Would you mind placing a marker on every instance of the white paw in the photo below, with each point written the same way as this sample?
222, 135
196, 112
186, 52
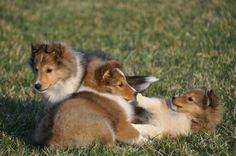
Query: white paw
141, 140
139, 98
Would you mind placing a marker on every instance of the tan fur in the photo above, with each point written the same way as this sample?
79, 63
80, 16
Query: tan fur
51, 63
87, 116
203, 105
106, 76
60, 71
198, 110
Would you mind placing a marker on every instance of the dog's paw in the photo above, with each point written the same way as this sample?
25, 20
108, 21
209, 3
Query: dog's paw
139, 98
142, 140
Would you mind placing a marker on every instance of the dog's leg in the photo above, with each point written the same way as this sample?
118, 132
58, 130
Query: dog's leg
148, 102
148, 130
128, 134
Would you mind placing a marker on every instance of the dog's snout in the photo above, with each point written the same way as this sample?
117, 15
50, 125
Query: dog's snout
37, 86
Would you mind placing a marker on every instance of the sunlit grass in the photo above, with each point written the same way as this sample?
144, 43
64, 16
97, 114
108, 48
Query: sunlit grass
186, 44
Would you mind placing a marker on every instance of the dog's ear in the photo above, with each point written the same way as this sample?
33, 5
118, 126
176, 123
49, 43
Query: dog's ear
105, 71
35, 47
213, 100
56, 49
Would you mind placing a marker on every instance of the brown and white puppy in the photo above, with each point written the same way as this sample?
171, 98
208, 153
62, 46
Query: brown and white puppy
98, 112
197, 111
59, 71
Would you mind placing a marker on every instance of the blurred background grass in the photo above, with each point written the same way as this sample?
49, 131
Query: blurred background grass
186, 44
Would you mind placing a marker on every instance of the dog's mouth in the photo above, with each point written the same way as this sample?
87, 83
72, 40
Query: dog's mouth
178, 106
173, 106
43, 90
130, 100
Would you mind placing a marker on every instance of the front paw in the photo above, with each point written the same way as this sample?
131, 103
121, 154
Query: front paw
142, 140
139, 98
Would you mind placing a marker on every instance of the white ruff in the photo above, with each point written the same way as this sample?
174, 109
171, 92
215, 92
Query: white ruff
63, 89
127, 107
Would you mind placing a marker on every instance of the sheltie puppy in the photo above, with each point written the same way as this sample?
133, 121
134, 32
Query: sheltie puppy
99, 112
197, 111
59, 71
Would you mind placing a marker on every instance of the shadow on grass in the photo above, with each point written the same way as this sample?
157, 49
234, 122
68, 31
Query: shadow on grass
18, 117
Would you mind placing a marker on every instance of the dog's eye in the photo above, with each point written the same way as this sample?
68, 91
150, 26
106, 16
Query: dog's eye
49, 70
36, 70
120, 85
190, 99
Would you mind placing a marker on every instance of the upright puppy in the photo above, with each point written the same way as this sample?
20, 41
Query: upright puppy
98, 112
198, 110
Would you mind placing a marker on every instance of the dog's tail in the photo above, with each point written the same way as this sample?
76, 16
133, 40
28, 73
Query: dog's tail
140, 83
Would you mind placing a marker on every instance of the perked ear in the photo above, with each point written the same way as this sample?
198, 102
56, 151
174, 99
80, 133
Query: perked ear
59, 50
105, 71
56, 49
213, 98
35, 47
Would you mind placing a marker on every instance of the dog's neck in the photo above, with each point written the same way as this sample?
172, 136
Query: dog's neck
63, 89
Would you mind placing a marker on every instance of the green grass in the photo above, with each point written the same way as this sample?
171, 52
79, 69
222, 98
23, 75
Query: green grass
187, 44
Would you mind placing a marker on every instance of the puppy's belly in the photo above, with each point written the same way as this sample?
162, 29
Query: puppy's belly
171, 123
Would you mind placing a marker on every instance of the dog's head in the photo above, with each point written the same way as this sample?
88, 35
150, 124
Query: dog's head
112, 80
196, 101
51, 63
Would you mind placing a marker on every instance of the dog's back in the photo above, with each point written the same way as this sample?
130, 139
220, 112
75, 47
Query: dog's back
97, 113
83, 120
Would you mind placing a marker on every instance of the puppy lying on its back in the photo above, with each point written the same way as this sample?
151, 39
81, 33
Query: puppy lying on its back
98, 112
198, 110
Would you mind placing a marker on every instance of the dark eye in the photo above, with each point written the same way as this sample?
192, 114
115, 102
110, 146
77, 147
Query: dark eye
190, 99
120, 85
49, 70
36, 70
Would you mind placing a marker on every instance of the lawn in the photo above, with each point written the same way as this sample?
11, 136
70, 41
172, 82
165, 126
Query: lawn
185, 43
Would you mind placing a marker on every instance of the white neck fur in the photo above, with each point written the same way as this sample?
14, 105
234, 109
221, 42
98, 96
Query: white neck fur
63, 89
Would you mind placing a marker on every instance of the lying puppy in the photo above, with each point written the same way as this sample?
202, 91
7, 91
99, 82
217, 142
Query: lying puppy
198, 110
98, 112
59, 71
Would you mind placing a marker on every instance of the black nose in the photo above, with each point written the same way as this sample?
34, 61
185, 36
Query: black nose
37, 86
173, 98
135, 93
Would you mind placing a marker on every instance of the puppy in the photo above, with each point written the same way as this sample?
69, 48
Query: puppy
197, 111
97, 113
60, 71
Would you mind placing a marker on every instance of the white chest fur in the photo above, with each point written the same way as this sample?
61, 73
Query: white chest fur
166, 120
63, 89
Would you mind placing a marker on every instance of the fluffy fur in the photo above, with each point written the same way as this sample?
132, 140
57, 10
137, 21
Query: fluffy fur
197, 111
59, 71
98, 112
